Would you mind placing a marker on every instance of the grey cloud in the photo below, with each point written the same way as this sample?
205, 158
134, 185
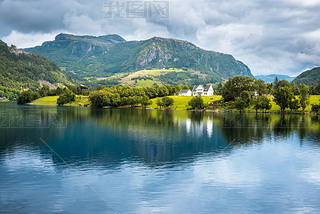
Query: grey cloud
269, 36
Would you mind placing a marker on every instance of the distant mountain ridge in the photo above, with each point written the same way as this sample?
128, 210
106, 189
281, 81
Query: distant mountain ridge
308, 77
20, 71
105, 56
270, 78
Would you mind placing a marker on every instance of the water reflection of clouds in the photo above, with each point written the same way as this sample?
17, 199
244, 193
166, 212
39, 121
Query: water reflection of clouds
22, 158
231, 172
311, 174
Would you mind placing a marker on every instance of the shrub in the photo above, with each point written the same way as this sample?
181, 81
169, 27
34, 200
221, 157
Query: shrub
66, 97
196, 103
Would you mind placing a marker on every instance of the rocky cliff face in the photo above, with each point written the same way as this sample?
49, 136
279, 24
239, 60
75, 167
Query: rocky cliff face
105, 55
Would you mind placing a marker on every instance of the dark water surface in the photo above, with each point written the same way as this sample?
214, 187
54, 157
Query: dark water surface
80, 160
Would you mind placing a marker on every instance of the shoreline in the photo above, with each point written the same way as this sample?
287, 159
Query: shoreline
180, 103
225, 111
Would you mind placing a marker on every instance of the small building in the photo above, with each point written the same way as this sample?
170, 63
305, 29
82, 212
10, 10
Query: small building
202, 90
185, 92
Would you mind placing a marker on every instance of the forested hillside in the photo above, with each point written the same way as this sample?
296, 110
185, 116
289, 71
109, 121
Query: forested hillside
20, 71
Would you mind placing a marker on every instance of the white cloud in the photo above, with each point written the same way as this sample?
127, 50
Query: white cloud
269, 36
22, 40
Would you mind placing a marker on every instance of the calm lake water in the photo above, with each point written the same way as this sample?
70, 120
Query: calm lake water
80, 160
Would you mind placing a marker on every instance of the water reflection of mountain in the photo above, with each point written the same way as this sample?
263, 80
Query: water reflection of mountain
107, 138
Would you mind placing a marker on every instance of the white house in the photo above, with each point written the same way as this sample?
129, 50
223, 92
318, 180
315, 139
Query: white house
185, 92
203, 90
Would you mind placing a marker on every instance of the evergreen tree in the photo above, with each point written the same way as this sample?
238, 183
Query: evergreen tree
304, 96
276, 82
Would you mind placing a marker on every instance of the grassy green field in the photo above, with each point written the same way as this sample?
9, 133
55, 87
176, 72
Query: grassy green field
52, 101
46, 101
181, 102
144, 78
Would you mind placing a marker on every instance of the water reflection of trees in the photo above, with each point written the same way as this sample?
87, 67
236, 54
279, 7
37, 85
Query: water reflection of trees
250, 128
108, 137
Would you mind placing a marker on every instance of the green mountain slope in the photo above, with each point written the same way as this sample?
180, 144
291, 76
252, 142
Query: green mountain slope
20, 71
308, 77
105, 56
270, 78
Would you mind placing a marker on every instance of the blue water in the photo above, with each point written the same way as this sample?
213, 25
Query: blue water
80, 160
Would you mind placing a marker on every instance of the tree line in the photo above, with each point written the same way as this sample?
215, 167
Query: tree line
123, 95
245, 91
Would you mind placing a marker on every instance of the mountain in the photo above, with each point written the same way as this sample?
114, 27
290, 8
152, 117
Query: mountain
111, 56
20, 70
308, 77
270, 78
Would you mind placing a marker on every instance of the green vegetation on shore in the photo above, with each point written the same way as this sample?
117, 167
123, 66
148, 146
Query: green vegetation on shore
180, 103
238, 93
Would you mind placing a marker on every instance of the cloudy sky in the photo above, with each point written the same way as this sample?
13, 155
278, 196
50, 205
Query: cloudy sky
270, 36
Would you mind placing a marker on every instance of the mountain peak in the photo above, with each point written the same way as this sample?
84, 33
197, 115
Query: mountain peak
106, 55
110, 37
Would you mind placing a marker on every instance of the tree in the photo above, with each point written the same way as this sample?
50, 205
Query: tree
44, 91
315, 108
294, 88
25, 97
97, 99
262, 102
196, 103
235, 86
59, 91
266, 103
159, 103
239, 104
133, 101
101, 87
294, 104
165, 102
311, 89
270, 87
283, 97
145, 101
219, 89
317, 89
260, 87
257, 104
35, 95
246, 97
304, 96
276, 82
66, 97
162, 91
284, 83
